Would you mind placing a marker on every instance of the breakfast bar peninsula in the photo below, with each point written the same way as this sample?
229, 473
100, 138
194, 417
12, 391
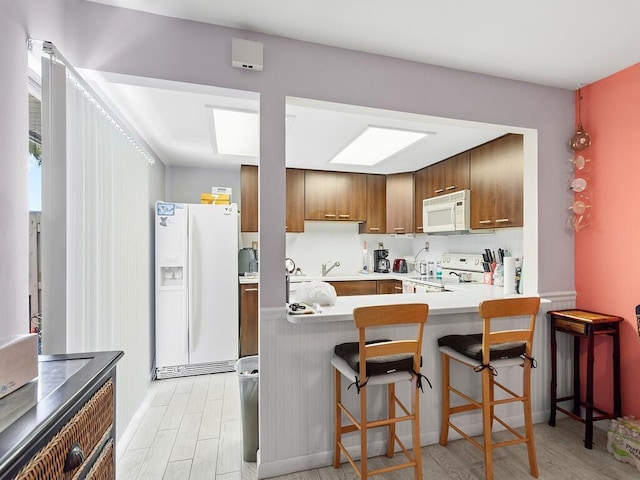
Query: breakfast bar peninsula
296, 387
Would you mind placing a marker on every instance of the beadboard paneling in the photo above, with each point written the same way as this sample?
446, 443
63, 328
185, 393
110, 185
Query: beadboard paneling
296, 387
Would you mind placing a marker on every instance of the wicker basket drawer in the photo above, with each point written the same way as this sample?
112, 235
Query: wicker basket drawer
103, 468
564, 325
84, 431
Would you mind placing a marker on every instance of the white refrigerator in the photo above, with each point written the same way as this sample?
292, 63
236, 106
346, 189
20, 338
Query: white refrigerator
196, 250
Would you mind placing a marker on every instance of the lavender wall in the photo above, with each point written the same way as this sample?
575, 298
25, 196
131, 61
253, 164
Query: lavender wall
155, 46
130, 42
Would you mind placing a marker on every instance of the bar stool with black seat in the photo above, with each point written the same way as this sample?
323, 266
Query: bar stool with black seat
486, 352
381, 362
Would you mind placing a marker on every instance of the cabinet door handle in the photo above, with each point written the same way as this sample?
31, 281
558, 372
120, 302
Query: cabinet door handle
250, 289
374, 229
502, 220
439, 190
484, 221
450, 187
74, 459
398, 228
398, 288
418, 228
330, 215
343, 215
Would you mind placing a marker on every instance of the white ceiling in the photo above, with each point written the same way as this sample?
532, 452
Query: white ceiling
561, 43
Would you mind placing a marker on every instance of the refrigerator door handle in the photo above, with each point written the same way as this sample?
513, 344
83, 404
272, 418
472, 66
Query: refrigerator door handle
190, 288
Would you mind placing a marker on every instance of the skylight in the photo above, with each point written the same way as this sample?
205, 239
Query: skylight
376, 144
237, 132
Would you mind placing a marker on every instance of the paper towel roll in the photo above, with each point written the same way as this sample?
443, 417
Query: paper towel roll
509, 275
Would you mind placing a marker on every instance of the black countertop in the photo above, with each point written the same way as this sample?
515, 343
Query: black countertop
30, 413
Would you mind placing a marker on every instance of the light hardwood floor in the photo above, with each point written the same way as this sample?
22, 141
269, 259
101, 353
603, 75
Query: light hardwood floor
190, 428
187, 429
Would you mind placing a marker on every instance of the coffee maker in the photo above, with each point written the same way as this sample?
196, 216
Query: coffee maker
381, 263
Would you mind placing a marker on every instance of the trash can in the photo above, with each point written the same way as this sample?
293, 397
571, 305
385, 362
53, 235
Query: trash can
247, 371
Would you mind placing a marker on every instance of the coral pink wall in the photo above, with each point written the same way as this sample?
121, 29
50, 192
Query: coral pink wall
607, 253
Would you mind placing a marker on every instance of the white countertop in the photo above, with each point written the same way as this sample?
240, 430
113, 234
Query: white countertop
345, 277
463, 298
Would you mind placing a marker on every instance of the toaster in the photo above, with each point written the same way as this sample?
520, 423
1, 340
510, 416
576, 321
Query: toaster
400, 265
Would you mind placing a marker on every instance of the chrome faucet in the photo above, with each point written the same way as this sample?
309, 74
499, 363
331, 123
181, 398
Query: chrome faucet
326, 270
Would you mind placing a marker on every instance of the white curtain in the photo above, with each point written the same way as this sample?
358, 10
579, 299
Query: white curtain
108, 245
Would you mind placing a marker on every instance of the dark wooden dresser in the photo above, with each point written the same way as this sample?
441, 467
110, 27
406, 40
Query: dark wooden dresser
62, 425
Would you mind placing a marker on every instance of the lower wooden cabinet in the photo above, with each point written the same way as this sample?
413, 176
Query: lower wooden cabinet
347, 288
389, 286
248, 319
355, 287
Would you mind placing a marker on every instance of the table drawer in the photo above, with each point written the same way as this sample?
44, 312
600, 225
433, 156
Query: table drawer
565, 325
84, 433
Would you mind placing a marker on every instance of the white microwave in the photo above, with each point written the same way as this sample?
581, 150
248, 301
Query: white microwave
446, 213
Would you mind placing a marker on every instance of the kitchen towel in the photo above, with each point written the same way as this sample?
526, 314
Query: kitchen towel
509, 275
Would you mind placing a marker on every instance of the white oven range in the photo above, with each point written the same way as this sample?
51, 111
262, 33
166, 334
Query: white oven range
456, 268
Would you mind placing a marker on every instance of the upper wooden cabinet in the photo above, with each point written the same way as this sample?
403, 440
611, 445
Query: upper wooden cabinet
448, 176
249, 198
295, 201
496, 183
420, 189
376, 205
400, 199
334, 196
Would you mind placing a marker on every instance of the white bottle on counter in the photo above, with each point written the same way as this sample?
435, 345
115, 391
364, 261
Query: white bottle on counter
509, 275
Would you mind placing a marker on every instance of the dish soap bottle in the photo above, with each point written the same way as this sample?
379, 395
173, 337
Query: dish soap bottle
365, 258
498, 276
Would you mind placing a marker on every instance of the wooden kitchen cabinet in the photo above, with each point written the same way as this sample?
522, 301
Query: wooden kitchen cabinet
389, 286
355, 287
249, 198
496, 177
334, 196
295, 201
420, 193
376, 199
448, 176
248, 319
400, 203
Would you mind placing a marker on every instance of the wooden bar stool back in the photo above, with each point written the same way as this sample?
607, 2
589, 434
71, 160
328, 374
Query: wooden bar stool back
486, 353
378, 363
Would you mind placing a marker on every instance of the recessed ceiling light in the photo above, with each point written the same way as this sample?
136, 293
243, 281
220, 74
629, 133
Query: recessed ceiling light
376, 144
237, 132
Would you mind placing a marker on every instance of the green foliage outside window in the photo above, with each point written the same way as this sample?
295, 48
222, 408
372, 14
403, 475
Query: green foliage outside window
36, 151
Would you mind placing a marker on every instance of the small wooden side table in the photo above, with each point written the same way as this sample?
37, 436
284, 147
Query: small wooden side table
583, 324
